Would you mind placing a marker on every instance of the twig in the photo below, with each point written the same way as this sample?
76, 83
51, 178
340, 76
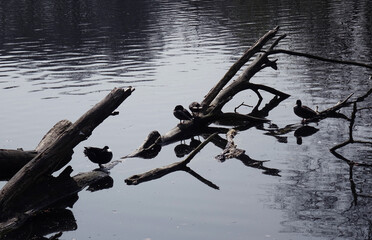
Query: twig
242, 104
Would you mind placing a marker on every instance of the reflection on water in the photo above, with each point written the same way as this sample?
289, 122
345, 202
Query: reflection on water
57, 57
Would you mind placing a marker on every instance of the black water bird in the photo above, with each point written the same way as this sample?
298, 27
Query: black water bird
98, 155
195, 108
304, 112
181, 113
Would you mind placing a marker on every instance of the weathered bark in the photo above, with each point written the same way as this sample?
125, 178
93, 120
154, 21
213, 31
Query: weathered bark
56, 152
55, 132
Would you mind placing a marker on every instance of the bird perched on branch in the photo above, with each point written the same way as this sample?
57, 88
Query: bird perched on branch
195, 108
304, 112
98, 155
181, 113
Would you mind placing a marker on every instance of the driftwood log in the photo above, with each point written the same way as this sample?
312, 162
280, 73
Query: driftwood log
33, 188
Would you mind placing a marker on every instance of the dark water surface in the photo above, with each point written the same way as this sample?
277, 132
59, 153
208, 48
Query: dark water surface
59, 58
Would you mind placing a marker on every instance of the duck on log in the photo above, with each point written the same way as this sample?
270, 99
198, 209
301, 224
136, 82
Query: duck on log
22, 195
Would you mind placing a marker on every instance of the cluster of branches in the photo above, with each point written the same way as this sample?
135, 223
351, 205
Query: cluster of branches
214, 101
31, 187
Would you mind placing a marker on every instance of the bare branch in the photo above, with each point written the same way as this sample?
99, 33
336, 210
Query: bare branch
276, 51
236, 66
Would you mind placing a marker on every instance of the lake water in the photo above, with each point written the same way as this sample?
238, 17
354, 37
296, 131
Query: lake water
59, 59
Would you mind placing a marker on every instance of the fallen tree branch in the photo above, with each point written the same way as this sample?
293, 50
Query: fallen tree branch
177, 166
57, 152
226, 89
236, 67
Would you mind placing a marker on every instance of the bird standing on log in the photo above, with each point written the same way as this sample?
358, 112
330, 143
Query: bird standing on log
195, 108
98, 155
304, 112
181, 113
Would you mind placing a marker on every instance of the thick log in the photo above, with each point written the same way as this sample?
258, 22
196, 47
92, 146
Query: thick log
11, 161
55, 132
60, 150
50, 192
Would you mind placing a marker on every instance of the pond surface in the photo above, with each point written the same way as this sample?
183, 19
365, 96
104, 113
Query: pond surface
59, 59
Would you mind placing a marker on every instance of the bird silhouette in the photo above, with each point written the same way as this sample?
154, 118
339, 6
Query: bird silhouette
181, 113
195, 108
304, 112
98, 155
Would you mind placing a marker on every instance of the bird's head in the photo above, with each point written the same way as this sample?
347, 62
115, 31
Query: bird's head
106, 148
178, 108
